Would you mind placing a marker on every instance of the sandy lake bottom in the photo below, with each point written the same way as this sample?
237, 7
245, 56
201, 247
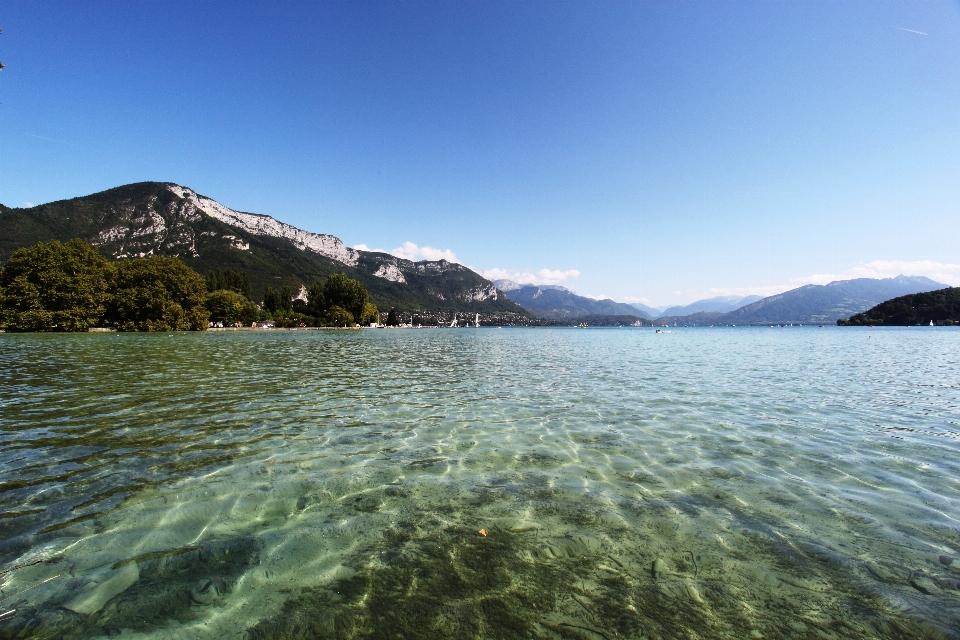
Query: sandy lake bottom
482, 483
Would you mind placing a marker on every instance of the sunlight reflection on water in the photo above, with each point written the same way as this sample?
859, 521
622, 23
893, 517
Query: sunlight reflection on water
702, 483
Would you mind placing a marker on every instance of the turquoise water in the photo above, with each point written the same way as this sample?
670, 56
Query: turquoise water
702, 483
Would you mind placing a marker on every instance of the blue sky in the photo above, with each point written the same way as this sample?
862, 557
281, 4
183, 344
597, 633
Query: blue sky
663, 151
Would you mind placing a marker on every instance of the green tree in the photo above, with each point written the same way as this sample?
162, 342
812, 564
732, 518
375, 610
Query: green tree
337, 316
370, 314
278, 301
54, 286
316, 302
341, 291
158, 294
392, 318
230, 307
230, 279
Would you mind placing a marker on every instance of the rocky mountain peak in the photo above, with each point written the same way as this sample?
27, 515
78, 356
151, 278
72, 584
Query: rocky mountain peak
263, 225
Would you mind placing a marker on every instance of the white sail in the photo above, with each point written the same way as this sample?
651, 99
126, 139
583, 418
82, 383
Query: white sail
476, 322
454, 323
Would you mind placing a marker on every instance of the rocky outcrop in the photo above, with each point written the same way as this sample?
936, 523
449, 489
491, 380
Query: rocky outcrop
262, 225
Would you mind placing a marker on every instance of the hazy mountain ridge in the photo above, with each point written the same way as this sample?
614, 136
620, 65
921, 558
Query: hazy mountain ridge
718, 304
651, 312
815, 304
558, 303
166, 219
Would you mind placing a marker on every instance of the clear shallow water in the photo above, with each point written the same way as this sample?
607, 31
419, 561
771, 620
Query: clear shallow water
704, 483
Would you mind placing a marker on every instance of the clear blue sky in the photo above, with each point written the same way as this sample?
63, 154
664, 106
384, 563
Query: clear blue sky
665, 150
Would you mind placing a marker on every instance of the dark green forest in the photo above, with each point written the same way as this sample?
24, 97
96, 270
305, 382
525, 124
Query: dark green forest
55, 286
942, 307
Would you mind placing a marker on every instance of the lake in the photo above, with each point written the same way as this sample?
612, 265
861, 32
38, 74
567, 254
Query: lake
794, 482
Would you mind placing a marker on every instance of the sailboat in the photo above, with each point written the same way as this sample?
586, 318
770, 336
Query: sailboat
476, 322
454, 323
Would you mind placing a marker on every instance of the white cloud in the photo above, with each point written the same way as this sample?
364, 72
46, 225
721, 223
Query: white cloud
363, 247
28, 205
630, 299
945, 273
411, 251
544, 276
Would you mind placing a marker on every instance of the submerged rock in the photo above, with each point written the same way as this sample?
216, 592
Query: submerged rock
205, 592
102, 588
878, 571
923, 584
659, 568
571, 547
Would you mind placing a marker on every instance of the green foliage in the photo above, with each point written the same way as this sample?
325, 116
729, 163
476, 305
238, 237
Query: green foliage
229, 279
392, 318
158, 294
370, 314
337, 316
229, 307
55, 287
942, 307
341, 291
340, 301
316, 301
276, 301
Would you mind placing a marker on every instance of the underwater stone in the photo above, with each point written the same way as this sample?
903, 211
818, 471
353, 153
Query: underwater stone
46, 495
659, 568
572, 547
692, 593
878, 571
204, 593
111, 584
946, 561
923, 584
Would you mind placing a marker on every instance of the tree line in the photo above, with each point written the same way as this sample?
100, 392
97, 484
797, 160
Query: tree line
56, 286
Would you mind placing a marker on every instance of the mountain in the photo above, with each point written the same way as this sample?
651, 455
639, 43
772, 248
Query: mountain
150, 218
510, 285
558, 303
720, 304
815, 304
827, 303
699, 319
942, 307
650, 312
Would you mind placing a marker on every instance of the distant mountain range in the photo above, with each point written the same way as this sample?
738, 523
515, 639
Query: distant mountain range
814, 304
558, 303
719, 304
649, 312
810, 304
155, 218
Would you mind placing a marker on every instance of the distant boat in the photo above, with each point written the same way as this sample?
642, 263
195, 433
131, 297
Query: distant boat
454, 323
931, 323
476, 322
